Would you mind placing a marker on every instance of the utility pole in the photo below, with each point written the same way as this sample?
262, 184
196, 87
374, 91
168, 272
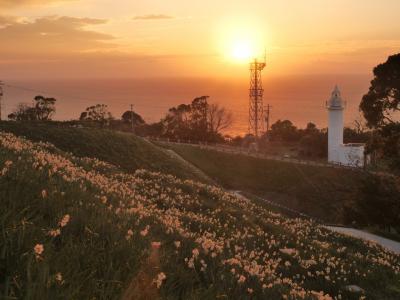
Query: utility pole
132, 117
267, 111
1, 96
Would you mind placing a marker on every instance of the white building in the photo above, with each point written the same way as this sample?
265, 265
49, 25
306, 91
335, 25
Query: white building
339, 153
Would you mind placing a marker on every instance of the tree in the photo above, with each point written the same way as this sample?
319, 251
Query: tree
284, 131
376, 202
359, 125
311, 128
98, 113
177, 122
380, 106
130, 117
44, 107
23, 112
199, 121
313, 142
390, 145
198, 118
383, 97
218, 118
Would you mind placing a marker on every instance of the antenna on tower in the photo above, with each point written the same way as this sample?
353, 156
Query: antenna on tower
256, 92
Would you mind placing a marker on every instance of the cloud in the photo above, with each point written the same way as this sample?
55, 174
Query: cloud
153, 17
52, 34
17, 3
7, 20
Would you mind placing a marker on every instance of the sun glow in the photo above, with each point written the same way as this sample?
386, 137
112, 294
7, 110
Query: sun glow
242, 50
240, 40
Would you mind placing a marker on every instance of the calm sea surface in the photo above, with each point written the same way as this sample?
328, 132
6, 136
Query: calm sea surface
298, 98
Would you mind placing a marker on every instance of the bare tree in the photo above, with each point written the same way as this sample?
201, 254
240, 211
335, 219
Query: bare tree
23, 112
360, 125
218, 118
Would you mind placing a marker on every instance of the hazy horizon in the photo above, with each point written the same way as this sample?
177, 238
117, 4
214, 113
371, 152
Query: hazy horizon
300, 99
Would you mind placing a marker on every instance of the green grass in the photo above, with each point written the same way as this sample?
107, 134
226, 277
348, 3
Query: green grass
90, 253
124, 150
317, 191
221, 237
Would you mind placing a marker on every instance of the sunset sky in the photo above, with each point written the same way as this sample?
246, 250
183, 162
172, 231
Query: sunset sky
310, 45
125, 38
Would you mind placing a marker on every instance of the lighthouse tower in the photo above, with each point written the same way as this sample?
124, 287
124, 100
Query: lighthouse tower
335, 106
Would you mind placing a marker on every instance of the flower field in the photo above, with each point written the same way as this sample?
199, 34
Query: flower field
78, 228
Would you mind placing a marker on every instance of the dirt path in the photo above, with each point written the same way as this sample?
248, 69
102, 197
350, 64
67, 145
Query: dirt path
143, 286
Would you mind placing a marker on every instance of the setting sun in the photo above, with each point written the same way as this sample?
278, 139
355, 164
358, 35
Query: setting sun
242, 50
241, 38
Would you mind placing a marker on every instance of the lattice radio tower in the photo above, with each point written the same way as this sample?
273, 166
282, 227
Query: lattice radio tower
256, 107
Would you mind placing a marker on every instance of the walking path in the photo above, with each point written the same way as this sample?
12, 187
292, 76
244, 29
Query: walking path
384, 242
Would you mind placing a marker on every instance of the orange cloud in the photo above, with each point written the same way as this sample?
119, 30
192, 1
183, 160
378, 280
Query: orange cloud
51, 35
7, 20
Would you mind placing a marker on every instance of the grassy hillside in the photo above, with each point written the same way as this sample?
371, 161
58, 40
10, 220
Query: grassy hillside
76, 228
318, 191
121, 149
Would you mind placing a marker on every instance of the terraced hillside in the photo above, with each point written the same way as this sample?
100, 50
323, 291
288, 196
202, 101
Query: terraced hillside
78, 228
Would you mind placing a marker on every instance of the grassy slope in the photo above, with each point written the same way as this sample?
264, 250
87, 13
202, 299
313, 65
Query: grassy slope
121, 149
318, 191
97, 260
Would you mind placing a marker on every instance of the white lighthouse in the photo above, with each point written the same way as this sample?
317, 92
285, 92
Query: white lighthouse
339, 153
335, 106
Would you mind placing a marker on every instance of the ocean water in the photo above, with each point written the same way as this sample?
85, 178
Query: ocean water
300, 99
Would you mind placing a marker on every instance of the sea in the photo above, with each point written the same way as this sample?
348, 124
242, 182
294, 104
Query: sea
298, 98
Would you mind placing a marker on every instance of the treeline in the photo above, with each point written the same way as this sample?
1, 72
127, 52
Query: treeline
199, 121
308, 142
